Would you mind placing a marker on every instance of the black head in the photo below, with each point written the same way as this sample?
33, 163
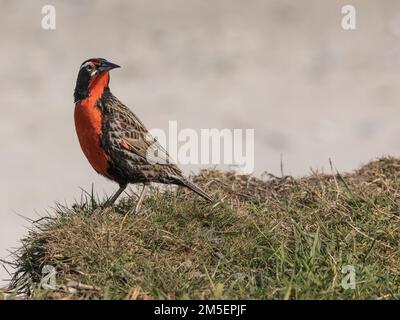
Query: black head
88, 71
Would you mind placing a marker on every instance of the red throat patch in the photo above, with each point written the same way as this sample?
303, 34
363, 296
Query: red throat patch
88, 122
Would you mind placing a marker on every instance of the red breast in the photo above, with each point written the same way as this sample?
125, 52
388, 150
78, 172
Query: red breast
88, 123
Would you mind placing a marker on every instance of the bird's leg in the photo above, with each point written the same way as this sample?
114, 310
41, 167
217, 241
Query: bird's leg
141, 198
111, 201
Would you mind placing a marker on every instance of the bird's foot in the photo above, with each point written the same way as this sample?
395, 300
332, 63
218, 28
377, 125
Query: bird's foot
136, 210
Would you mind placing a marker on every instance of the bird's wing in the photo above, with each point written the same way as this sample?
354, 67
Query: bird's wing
135, 151
130, 134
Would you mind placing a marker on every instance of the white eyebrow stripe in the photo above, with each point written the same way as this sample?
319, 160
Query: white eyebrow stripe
85, 64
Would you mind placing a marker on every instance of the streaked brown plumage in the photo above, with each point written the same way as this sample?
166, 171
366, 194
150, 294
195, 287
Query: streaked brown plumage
114, 140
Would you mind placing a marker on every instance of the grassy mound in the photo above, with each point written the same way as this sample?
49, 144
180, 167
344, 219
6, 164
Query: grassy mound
278, 237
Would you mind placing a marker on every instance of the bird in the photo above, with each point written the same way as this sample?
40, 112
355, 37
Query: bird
115, 141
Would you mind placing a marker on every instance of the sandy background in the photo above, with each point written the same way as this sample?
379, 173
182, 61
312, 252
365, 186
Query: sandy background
311, 90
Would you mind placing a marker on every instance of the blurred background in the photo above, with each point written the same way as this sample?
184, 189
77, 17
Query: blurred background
311, 90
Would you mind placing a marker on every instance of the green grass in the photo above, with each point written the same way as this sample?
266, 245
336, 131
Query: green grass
276, 238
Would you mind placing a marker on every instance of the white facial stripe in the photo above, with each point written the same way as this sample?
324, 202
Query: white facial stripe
85, 64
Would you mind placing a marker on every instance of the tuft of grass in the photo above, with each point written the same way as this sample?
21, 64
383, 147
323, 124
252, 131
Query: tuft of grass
270, 238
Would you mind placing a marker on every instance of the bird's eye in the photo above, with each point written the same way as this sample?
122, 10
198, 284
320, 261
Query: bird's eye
89, 68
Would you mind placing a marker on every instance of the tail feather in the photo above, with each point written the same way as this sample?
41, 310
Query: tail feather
196, 189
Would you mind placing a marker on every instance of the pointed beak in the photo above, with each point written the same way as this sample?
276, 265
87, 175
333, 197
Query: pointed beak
107, 66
